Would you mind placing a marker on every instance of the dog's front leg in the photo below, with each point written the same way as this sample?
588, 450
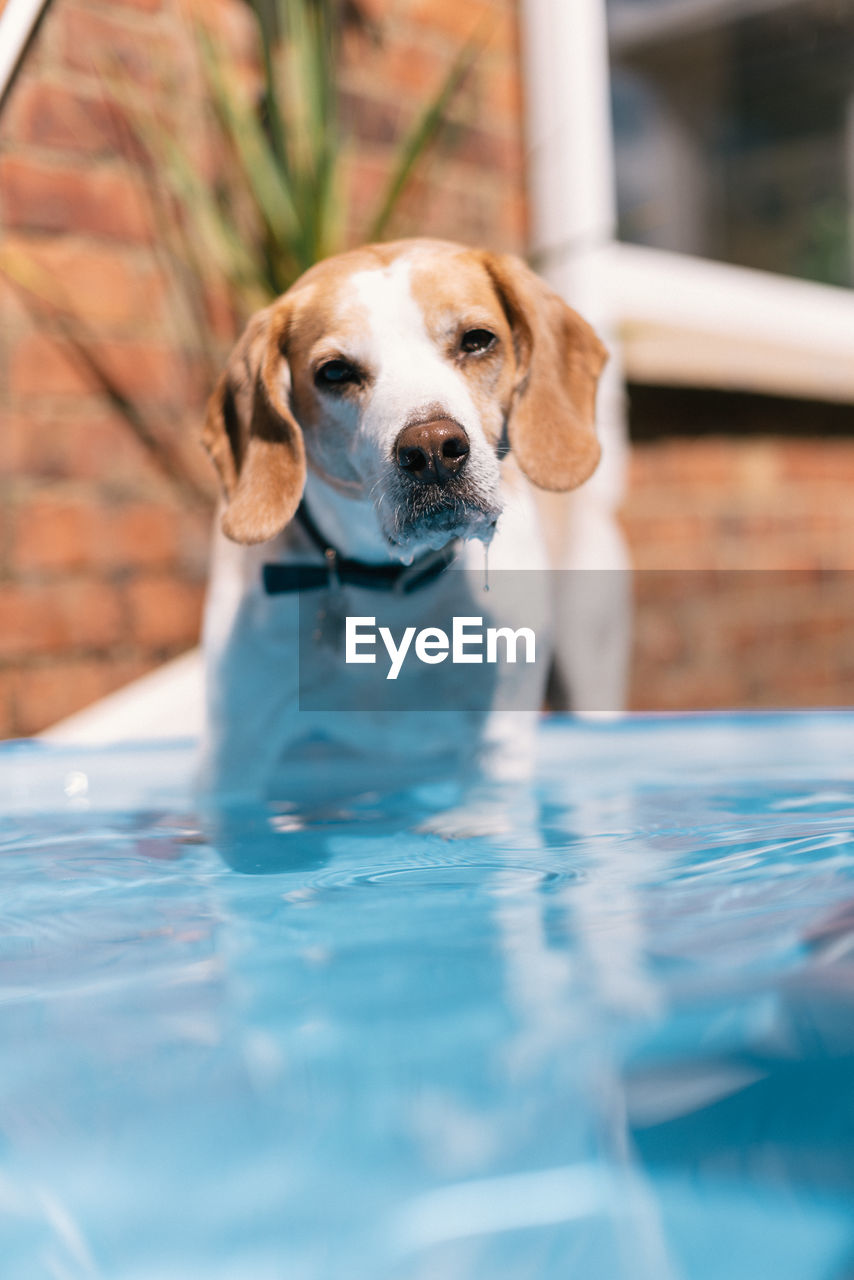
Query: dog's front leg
252, 700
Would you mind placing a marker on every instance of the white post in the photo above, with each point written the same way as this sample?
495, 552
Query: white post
573, 226
17, 23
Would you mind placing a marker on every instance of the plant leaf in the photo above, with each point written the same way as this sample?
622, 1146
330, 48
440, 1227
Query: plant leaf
269, 186
422, 135
35, 285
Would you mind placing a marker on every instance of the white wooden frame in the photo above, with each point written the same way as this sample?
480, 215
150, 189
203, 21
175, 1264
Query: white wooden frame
17, 23
679, 319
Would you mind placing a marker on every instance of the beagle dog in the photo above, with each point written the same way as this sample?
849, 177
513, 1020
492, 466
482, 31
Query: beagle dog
375, 430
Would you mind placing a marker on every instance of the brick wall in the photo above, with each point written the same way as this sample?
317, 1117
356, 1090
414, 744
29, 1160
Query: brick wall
102, 558
745, 547
473, 186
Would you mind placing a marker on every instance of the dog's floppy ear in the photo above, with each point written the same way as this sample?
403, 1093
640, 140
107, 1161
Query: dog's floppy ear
252, 435
552, 422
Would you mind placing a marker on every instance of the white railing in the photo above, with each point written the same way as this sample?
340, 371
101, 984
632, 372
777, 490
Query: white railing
17, 23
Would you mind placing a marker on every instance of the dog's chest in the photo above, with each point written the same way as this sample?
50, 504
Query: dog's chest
280, 686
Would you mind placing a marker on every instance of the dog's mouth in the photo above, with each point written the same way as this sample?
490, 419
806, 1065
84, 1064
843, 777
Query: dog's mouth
427, 517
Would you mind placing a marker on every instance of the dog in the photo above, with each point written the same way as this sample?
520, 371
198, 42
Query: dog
377, 427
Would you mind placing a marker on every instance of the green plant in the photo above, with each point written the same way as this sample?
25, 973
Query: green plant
279, 202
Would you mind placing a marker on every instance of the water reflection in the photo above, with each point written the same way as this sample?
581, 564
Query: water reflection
616, 1041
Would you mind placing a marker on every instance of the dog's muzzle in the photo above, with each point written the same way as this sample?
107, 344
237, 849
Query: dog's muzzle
438, 494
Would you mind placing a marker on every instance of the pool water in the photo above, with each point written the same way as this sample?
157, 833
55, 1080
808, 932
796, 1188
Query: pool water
616, 1042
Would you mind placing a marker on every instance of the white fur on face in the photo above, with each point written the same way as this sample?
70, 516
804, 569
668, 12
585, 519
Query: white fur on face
413, 378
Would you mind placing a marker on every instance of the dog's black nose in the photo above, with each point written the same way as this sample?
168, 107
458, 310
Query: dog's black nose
432, 452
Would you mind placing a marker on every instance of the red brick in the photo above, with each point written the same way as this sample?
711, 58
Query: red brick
6, 500
51, 534
103, 285
145, 535
46, 115
484, 149
462, 21
44, 694
14, 313
780, 639
685, 530
144, 371
147, 371
417, 71
41, 365
376, 11
89, 445
502, 93
374, 121
677, 462
447, 210
103, 202
106, 46
219, 311
90, 613
366, 178
30, 621
52, 617
233, 25
7, 721
658, 638
700, 688
165, 612
145, 6
817, 460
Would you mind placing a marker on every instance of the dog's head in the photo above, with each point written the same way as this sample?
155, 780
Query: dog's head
399, 373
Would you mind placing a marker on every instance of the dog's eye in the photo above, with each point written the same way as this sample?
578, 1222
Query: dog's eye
477, 340
336, 373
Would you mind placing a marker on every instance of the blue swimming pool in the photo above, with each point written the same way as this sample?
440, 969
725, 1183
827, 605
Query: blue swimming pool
616, 1043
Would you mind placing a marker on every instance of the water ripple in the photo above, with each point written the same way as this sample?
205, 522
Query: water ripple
323, 1042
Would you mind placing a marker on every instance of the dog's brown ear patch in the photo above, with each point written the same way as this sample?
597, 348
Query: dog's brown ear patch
552, 422
252, 435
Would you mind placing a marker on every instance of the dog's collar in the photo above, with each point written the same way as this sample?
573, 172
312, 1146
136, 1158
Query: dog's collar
338, 571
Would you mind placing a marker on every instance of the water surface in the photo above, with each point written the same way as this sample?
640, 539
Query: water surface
615, 1042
